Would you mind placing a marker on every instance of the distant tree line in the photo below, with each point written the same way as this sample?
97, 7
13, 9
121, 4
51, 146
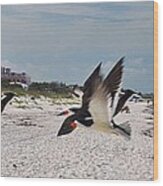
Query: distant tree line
148, 96
49, 87
54, 87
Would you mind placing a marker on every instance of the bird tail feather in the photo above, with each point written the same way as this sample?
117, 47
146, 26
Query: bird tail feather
123, 129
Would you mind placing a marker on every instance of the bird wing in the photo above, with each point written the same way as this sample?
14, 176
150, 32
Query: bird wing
120, 104
114, 78
98, 98
112, 84
90, 86
98, 109
77, 92
122, 101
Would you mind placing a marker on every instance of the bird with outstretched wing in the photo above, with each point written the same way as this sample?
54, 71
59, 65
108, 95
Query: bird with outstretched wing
97, 94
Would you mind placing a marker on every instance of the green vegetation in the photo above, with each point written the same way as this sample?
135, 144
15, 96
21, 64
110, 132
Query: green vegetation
36, 89
53, 90
5, 87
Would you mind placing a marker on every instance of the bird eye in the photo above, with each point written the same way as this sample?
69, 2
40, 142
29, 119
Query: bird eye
73, 125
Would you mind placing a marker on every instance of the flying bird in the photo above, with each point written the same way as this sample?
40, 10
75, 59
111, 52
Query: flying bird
6, 99
86, 119
126, 94
122, 99
96, 93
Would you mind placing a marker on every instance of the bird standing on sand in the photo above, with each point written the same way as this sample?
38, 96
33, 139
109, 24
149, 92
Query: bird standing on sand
6, 99
96, 95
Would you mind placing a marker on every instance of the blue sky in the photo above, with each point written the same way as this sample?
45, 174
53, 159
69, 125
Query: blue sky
64, 42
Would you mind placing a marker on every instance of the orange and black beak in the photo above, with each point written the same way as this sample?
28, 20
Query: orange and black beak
67, 127
65, 113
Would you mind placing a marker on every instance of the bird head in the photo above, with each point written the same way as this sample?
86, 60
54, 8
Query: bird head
130, 92
64, 113
10, 94
68, 126
69, 111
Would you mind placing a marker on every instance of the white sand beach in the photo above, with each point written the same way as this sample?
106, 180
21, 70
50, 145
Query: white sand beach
30, 146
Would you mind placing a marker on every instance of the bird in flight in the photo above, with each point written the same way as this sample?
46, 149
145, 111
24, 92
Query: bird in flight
98, 93
87, 120
6, 99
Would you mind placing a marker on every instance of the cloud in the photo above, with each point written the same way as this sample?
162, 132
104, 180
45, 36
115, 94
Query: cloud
66, 38
63, 26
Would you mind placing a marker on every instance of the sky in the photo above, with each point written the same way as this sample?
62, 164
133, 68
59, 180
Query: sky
64, 42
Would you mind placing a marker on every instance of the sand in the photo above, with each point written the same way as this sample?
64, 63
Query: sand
30, 146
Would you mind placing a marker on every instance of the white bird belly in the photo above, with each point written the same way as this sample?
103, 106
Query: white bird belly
102, 127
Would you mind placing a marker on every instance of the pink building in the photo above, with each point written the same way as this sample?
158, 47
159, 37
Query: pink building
7, 74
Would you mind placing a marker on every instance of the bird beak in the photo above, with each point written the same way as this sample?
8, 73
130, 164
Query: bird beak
66, 129
59, 133
63, 131
63, 113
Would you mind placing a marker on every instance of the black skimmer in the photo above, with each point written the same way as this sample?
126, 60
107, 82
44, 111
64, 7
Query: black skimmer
96, 93
123, 98
87, 119
68, 111
6, 99
126, 94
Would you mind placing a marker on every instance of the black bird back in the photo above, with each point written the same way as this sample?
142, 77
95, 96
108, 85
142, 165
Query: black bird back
122, 100
4, 101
